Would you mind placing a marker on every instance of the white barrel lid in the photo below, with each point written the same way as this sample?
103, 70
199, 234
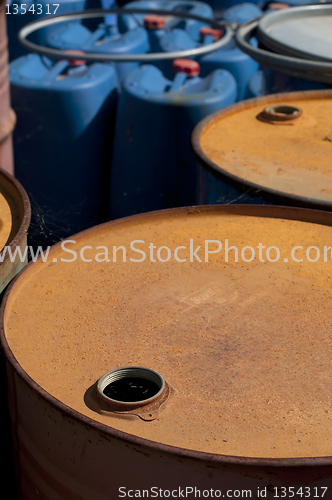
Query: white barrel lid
305, 32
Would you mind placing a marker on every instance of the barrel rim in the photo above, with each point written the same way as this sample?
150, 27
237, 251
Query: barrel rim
308, 69
252, 188
277, 212
19, 230
267, 23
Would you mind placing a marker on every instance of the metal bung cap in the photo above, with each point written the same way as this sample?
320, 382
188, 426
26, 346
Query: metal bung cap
187, 66
154, 22
130, 387
76, 62
207, 30
281, 113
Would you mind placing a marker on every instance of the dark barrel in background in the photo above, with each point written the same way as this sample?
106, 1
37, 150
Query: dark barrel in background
14, 223
238, 349
273, 149
7, 115
294, 48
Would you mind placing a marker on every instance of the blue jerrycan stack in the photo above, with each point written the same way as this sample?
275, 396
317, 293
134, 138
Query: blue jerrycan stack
63, 142
191, 26
106, 38
157, 27
153, 167
22, 12
228, 57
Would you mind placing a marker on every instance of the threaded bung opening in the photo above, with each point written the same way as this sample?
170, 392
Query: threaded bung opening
130, 386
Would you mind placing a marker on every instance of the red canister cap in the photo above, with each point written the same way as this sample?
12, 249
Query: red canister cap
154, 22
187, 66
207, 30
278, 6
76, 62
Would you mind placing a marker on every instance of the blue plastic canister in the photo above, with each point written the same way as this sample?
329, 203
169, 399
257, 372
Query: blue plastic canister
255, 87
105, 39
229, 57
153, 167
63, 142
242, 13
232, 59
21, 12
191, 26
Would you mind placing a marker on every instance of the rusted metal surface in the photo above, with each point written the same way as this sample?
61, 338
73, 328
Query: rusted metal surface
7, 115
244, 346
14, 222
283, 161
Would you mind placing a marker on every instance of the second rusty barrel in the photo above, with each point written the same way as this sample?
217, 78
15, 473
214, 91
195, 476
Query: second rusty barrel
274, 149
158, 353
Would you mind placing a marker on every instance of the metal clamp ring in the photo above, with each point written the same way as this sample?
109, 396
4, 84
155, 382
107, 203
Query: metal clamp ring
301, 68
95, 13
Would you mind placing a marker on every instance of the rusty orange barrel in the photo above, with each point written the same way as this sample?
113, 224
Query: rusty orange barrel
149, 354
7, 115
15, 215
274, 149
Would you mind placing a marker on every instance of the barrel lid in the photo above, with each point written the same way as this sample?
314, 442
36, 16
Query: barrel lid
244, 347
301, 31
287, 160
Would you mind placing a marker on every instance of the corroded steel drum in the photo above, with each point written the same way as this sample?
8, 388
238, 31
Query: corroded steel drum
7, 115
274, 149
14, 222
237, 348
